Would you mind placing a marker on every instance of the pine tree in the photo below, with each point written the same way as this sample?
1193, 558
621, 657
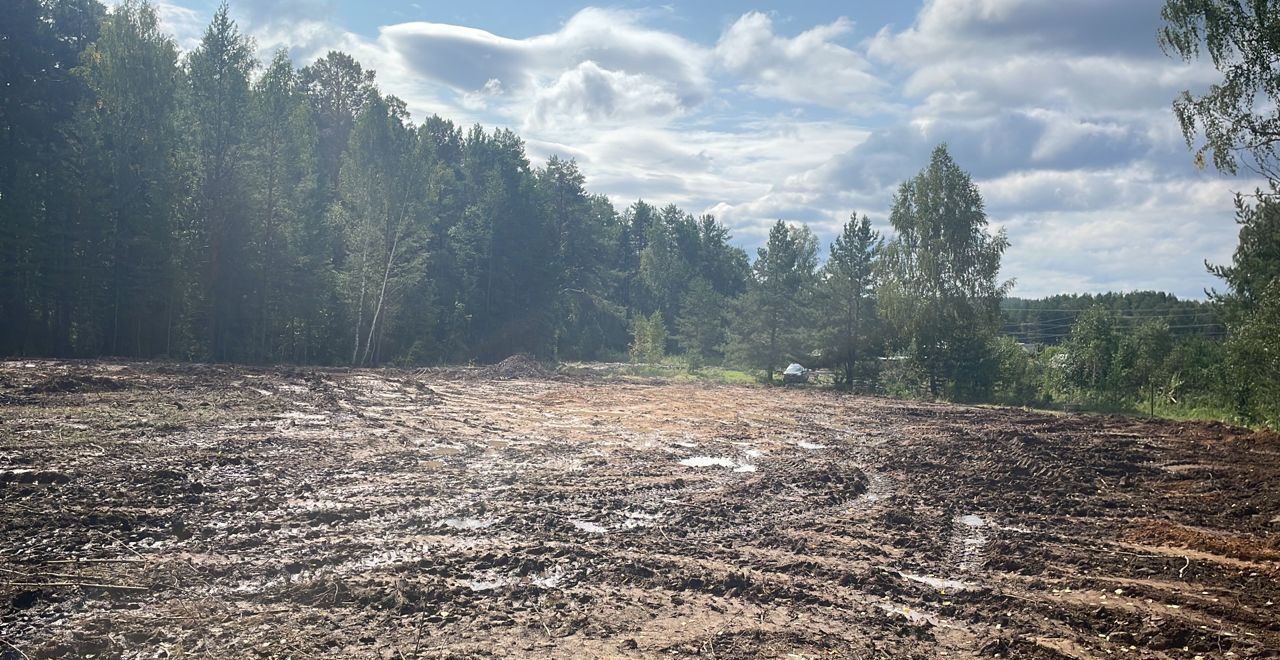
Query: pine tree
46, 233
771, 317
584, 227
700, 328
218, 115
848, 295
130, 135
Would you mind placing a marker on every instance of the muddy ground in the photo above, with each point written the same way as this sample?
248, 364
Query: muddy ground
156, 510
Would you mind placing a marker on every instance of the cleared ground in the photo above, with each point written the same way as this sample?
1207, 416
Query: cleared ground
151, 510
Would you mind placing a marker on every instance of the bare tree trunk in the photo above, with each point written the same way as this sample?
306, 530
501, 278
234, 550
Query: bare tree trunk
382, 295
364, 257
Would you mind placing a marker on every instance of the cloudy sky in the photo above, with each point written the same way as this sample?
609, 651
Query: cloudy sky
808, 111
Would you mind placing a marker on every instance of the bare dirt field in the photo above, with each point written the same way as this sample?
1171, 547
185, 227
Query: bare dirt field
164, 511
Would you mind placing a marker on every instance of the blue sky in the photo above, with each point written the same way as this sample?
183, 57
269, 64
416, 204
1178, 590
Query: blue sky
808, 111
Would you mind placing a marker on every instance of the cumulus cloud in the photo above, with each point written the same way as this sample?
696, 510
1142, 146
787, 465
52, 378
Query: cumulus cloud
951, 28
590, 93
601, 65
809, 68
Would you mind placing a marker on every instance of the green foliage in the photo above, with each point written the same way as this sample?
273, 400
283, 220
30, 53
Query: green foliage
1142, 359
849, 327
1089, 354
134, 186
1239, 116
584, 229
648, 338
217, 113
1019, 376
700, 328
770, 319
1252, 308
940, 290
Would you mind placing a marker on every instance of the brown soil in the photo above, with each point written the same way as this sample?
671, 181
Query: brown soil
206, 511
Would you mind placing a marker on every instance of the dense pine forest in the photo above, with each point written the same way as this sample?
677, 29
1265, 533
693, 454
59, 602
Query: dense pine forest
209, 206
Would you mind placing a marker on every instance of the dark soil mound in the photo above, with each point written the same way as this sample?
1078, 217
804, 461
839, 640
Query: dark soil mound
518, 367
69, 383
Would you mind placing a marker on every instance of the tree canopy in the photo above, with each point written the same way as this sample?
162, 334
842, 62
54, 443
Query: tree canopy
1239, 117
941, 291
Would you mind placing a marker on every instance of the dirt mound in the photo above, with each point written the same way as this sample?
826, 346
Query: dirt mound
69, 383
518, 367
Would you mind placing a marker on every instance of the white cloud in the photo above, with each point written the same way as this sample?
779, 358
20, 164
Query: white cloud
588, 93
601, 66
186, 26
808, 68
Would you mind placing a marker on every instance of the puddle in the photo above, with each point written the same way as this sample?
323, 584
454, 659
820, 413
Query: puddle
565, 464
810, 445
466, 523
638, 519
708, 461
938, 583
973, 542
589, 527
304, 419
913, 616
550, 579
719, 461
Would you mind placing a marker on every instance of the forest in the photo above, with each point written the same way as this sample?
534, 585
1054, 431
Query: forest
206, 206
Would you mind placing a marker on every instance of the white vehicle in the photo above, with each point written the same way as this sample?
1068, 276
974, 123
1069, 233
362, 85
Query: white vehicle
795, 373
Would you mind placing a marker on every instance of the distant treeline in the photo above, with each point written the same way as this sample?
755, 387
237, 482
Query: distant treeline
1048, 321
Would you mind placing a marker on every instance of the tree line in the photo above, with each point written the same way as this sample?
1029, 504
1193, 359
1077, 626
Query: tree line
209, 206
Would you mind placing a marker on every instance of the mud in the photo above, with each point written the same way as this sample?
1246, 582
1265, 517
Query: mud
206, 511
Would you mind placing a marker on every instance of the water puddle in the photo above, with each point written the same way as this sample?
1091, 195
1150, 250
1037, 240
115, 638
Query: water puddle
719, 461
809, 445
973, 541
304, 419
635, 519
938, 583
589, 527
914, 616
547, 580
466, 523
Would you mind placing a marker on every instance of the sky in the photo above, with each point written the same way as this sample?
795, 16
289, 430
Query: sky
809, 111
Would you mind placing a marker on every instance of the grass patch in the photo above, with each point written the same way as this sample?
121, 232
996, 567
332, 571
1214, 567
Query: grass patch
671, 369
